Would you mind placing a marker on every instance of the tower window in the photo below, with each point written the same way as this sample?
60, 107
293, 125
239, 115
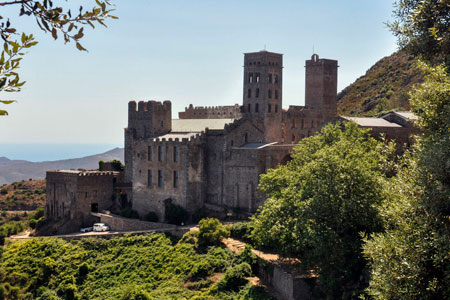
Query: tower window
160, 153
175, 153
149, 178
276, 94
160, 178
249, 93
257, 93
276, 78
150, 153
162, 123
269, 108
270, 78
269, 94
249, 106
276, 107
256, 107
246, 138
175, 179
293, 138
250, 78
257, 77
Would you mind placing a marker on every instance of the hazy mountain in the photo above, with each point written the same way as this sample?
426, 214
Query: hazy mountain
16, 170
384, 87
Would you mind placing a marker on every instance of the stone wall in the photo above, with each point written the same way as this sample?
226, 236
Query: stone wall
158, 176
72, 195
211, 112
117, 223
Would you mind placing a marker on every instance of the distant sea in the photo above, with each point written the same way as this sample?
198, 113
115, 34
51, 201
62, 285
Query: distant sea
48, 152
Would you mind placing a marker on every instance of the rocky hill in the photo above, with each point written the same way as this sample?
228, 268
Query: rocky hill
384, 87
23, 195
17, 170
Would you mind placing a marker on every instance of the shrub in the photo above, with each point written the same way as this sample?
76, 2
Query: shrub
211, 232
128, 212
175, 214
101, 165
241, 231
151, 216
190, 237
198, 215
201, 270
4, 191
234, 278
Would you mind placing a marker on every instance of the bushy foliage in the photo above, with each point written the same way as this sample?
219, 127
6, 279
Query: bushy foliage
151, 216
175, 214
241, 231
234, 278
324, 200
37, 218
211, 232
411, 259
128, 212
421, 27
129, 267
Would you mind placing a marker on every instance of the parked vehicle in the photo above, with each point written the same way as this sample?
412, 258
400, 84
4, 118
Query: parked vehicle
87, 229
98, 227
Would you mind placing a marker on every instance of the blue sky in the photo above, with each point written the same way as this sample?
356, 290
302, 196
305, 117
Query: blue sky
186, 51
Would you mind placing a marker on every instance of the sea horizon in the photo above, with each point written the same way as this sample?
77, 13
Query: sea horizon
38, 152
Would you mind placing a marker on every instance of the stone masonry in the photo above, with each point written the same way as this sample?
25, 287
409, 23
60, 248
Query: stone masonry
212, 157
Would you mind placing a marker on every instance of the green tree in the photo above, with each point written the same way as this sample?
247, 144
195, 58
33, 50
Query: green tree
411, 259
323, 201
211, 232
422, 27
54, 19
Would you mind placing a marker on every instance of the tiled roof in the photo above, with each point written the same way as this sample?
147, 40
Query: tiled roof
371, 122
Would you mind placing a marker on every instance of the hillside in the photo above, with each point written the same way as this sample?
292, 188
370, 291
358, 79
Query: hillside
24, 195
384, 87
123, 268
17, 170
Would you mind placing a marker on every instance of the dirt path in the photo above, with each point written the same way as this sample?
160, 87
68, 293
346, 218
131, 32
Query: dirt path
237, 247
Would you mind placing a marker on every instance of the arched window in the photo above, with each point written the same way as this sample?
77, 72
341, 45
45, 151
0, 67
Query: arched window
269, 108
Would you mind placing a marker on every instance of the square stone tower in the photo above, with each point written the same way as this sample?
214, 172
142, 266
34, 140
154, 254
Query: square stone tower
321, 86
263, 96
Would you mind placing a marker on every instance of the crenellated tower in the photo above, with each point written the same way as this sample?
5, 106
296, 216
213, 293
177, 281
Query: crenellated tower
147, 120
263, 96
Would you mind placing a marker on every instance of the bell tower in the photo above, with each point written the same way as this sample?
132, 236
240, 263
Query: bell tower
263, 93
321, 86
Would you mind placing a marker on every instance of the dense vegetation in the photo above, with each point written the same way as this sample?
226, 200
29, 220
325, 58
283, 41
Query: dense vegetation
384, 87
326, 198
23, 195
129, 267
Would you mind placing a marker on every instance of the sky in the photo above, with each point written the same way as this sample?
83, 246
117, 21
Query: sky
186, 51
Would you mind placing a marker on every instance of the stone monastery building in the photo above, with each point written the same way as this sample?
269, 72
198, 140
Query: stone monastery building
212, 157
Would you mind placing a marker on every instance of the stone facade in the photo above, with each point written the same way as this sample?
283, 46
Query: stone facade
212, 157
217, 162
73, 195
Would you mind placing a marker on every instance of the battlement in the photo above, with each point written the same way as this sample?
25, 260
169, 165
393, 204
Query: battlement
211, 112
149, 118
150, 106
194, 138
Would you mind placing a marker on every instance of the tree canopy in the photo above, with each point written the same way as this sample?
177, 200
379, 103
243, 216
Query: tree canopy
422, 26
51, 18
324, 201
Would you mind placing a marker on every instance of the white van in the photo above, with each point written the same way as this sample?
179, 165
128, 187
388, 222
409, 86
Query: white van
100, 227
